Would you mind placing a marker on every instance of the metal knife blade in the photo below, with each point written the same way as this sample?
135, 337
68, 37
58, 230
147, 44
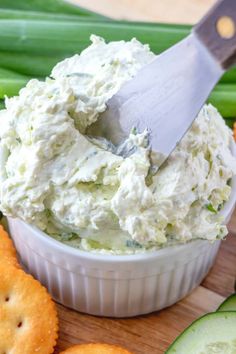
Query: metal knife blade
164, 97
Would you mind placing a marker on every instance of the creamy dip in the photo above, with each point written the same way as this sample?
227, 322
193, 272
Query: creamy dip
92, 195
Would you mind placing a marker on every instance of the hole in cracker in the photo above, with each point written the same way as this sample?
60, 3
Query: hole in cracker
7, 298
20, 323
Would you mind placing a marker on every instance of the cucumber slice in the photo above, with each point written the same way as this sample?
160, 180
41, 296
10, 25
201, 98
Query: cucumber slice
214, 333
229, 304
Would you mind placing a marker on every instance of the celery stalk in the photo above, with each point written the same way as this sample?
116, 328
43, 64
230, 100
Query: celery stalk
11, 82
230, 122
15, 14
224, 99
2, 104
67, 38
30, 65
11, 87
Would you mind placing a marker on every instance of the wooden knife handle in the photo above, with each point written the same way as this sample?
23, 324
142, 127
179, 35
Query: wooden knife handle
217, 30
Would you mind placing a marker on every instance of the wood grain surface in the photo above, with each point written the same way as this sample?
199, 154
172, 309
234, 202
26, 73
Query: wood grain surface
152, 334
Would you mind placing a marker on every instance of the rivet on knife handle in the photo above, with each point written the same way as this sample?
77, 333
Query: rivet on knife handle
217, 31
225, 27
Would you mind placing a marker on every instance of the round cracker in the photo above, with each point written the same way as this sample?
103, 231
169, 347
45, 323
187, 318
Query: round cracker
96, 348
28, 317
8, 253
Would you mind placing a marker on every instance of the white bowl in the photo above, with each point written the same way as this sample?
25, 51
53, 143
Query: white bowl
117, 286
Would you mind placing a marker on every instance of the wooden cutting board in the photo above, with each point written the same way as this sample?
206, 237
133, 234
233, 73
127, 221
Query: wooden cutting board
152, 334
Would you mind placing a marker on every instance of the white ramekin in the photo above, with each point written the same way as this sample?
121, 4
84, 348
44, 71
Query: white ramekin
117, 286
